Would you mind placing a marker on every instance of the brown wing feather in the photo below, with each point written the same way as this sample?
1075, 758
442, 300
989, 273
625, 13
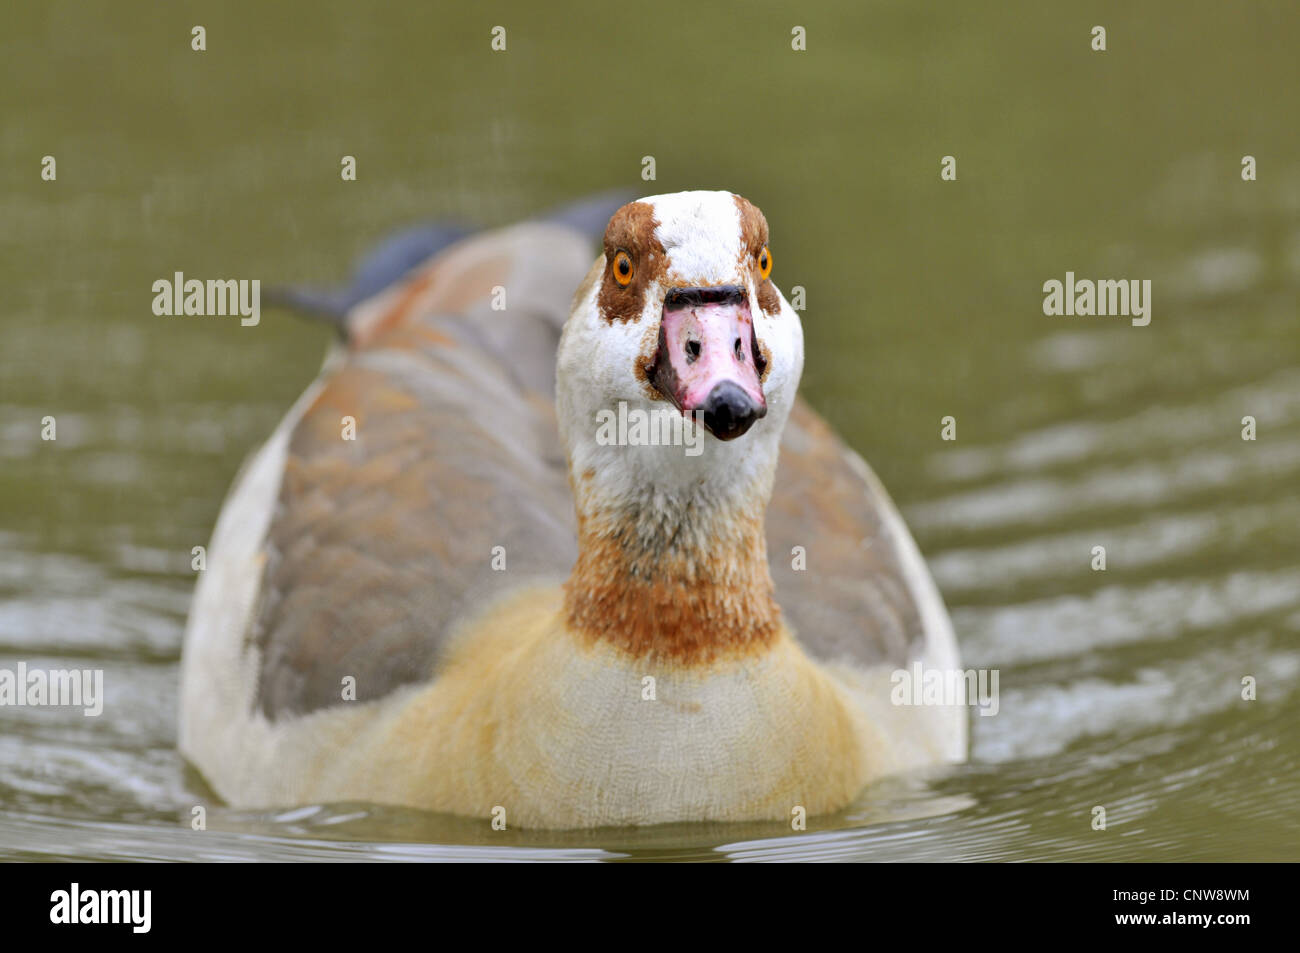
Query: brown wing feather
852, 601
381, 545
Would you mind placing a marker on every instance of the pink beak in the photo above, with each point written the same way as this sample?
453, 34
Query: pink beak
707, 360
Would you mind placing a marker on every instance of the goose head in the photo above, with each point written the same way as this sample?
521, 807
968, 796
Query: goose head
679, 316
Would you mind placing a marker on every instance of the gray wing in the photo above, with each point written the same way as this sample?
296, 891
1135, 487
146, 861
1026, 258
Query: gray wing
381, 545
857, 599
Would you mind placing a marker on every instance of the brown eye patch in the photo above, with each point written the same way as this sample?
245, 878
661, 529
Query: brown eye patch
753, 242
634, 259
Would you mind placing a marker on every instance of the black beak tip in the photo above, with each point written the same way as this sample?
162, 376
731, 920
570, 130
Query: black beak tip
729, 412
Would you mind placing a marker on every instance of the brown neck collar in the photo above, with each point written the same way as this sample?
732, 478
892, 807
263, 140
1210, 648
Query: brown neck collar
688, 586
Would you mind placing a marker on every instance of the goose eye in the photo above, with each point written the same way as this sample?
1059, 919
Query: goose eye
623, 268
765, 262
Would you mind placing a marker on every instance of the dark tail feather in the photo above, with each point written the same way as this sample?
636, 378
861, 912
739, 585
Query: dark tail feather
328, 306
400, 253
383, 266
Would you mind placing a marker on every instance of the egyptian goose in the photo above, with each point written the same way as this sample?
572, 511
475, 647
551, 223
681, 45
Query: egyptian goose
410, 613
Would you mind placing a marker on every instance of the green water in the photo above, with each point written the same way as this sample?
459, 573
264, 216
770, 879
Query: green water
1119, 688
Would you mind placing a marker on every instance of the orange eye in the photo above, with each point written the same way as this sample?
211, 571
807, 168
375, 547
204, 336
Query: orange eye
765, 262
623, 268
